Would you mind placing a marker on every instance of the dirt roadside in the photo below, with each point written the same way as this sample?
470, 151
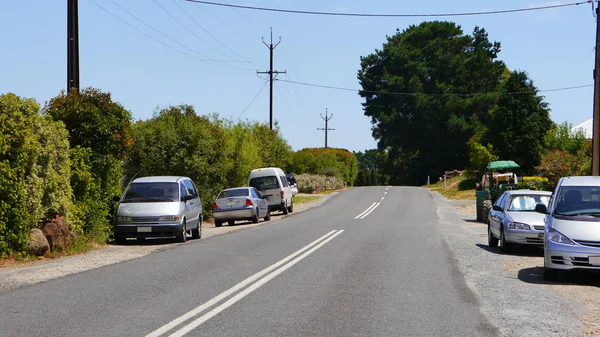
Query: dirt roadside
15, 275
527, 265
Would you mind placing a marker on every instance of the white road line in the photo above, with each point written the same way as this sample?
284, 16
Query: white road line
197, 322
385, 193
171, 325
369, 212
366, 210
382, 198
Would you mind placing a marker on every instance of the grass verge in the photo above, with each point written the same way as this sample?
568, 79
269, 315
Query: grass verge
457, 188
302, 199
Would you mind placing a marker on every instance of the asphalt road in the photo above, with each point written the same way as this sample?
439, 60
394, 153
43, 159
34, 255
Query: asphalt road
369, 262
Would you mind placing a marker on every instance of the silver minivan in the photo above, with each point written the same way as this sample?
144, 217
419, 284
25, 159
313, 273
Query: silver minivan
159, 206
572, 236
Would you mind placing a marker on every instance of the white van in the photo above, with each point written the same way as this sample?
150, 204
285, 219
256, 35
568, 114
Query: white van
271, 181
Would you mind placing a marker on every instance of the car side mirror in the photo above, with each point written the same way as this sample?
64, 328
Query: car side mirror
187, 197
541, 208
497, 208
116, 199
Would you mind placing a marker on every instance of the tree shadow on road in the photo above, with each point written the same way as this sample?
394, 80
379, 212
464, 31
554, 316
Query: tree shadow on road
535, 275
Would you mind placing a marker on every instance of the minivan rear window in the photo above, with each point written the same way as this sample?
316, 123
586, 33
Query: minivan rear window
152, 192
264, 183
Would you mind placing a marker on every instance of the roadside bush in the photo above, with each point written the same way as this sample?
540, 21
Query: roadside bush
312, 183
339, 163
534, 183
557, 163
95, 122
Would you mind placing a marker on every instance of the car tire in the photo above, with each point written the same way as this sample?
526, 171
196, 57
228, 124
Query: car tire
218, 223
255, 218
550, 274
291, 208
268, 217
505, 247
181, 237
197, 232
231, 222
285, 209
120, 240
492, 240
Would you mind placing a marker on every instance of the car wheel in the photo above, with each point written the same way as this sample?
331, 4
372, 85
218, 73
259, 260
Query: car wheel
181, 237
291, 208
255, 218
120, 240
231, 222
492, 240
218, 223
268, 217
550, 274
197, 232
285, 209
504, 246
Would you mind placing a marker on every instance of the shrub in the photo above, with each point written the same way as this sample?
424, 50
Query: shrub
339, 163
534, 183
557, 163
312, 183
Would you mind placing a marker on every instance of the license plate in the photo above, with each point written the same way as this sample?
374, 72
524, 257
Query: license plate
594, 260
144, 229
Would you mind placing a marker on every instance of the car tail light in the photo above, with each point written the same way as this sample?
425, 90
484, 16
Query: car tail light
214, 205
281, 194
249, 202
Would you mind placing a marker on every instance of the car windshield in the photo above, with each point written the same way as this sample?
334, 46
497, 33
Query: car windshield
578, 200
238, 192
264, 183
526, 203
152, 192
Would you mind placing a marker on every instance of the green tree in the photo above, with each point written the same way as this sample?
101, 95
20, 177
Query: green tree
371, 165
436, 67
519, 122
560, 137
96, 122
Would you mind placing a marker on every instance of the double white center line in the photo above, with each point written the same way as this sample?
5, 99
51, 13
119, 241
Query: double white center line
252, 283
372, 207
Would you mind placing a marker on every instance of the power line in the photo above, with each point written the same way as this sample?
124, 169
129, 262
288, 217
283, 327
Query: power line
211, 35
431, 94
255, 97
266, 9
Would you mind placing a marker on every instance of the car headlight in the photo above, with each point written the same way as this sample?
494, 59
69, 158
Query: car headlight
558, 237
518, 225
124, 219
169, 218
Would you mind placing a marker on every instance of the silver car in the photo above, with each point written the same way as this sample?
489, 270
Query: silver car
161, 206
572, 237
241, 203
513, 219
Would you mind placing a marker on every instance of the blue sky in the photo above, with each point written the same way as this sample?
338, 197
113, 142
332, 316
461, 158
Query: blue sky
556, 48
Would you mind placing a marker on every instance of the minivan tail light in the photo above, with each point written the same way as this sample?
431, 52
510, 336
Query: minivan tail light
249, 202
281, 194
214, 205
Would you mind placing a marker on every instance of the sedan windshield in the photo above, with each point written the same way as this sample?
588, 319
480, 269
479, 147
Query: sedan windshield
526, 203
152, 192
578, 201
238, 192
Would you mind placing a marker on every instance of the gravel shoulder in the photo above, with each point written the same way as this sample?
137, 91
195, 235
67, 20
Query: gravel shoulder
510, 287
28, 273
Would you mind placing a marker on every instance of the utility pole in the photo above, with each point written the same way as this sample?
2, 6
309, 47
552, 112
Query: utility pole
326, 129
72, 45
596, 116
271, 72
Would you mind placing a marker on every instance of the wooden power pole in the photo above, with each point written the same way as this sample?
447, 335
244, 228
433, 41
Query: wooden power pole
596, 116
271, 72
72, 45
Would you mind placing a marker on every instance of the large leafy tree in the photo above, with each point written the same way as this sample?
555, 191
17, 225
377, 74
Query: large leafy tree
423, 94
519, 122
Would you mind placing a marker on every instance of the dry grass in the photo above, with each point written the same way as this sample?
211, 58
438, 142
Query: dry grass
302, 199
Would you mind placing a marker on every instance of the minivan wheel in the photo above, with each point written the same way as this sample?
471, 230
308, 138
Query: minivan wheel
285, 209
218, 223
231, 222
550, 274
182, 236
196, 232
120, 240
492, 240
291, 208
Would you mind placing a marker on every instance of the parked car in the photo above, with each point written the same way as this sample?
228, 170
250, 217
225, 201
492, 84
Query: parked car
572, 237
271, 181
241, 203
160, 206
292, 182
513, 219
